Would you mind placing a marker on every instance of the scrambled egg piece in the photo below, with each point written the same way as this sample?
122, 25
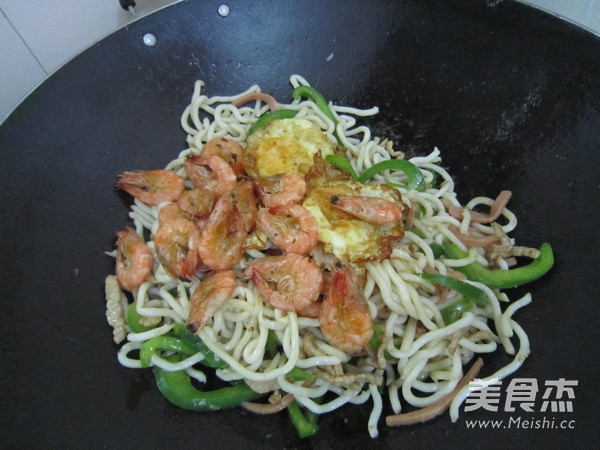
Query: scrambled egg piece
285, 146
346, 236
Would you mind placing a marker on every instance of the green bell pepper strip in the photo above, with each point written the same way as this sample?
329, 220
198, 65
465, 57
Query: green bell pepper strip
270, 117
437, 249
210, 359
314, 95
133, 320
466, 289
271, 345
416, 180
169, 343
377, 339
499, 278
343, 164
452, 313
298, 374
305, 425
178, 389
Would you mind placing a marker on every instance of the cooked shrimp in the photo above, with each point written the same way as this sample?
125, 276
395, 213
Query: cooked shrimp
208, 297
345, 318
134, 260
231, 151
176, 244
222, 240
291, 228
171, 212
198, 202
281, 190
297, 281
245, 200
212, 173
152, 186
374, 210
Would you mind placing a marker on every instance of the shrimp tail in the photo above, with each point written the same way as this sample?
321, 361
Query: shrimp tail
260, 281
190, 264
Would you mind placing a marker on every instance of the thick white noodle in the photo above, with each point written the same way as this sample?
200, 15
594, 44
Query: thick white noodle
375, 412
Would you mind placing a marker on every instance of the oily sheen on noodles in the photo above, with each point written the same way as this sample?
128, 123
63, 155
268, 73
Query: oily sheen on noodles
419, 360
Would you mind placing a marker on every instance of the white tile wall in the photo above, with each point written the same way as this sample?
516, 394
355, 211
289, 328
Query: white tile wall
20, 71
585, 13
38, 36
56, 30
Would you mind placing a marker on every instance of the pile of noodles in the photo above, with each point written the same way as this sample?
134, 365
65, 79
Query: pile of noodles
424, 359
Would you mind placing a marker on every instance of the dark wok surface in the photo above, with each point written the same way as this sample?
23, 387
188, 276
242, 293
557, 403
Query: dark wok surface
510, 96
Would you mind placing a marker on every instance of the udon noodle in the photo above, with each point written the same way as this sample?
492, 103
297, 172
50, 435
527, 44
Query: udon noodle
419, 360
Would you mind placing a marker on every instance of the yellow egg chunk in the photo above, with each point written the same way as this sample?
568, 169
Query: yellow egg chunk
346, 236
287, 145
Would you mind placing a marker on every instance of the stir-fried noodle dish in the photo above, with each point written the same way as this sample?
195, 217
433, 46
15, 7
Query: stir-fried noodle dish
302, 263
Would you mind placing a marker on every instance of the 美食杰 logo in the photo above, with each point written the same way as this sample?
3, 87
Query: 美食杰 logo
551, 400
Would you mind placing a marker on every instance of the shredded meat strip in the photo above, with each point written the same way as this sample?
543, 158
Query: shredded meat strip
506, 249
451, 273
475, 241
352, 380
511, 262
437, 408
269, 408
495, 210
260, 96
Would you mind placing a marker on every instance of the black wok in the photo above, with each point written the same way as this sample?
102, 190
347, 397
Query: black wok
511, 97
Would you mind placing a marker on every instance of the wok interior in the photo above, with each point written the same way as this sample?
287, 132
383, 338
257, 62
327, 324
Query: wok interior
508, 95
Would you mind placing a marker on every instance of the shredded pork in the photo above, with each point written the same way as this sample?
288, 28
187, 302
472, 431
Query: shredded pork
437, 408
